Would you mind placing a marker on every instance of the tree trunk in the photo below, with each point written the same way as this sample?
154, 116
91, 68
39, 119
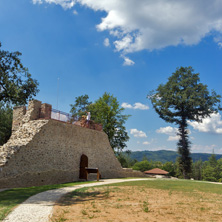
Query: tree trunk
184, 150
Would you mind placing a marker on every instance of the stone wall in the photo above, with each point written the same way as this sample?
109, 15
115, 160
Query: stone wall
44, 151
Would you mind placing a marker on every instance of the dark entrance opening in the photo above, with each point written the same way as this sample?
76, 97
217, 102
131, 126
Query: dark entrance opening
83, 165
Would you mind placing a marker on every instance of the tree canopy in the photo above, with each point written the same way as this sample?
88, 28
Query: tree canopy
16, 84
183, 98
16, 87
106, 111
5, 123
80, 106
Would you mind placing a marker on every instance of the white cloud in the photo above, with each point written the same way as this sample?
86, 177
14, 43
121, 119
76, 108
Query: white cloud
127, 61
173, 138
137, 133
141, 106
212, 124
106, 42
75, 12
146, 143
135, 106
127, 106
170, 131
167, 130
66, 4
218, 40
154, 24
37, 1
205, 149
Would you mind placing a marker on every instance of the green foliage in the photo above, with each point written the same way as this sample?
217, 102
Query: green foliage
106, 111
180, 100
209, 174
213, 160
125, 160
169, 167
5, 123
209, 170
145, 165
197, 169
80, 106
16, 83
142, 166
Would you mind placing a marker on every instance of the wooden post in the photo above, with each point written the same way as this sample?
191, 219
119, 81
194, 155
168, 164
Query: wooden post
98, 175
86, 175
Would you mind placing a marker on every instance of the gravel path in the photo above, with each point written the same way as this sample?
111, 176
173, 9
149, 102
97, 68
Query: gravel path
38, 208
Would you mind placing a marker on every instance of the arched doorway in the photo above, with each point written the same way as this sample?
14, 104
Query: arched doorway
83, 164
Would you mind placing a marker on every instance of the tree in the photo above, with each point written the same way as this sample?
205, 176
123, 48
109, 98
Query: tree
106, 111
125, 160
5, 123
16, 84
169, 167
80, 106
197, 168
180, 100
143, 165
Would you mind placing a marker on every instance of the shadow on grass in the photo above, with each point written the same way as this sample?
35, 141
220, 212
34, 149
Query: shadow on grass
12, 197
82, 195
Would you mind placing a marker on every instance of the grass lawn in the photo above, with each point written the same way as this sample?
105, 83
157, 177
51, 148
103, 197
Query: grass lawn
150, 200
176, 185
10, 198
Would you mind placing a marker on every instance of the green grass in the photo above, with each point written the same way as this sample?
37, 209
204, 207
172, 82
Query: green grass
175, 185
11, 198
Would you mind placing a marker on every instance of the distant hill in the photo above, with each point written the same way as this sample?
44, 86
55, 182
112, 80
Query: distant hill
166, 155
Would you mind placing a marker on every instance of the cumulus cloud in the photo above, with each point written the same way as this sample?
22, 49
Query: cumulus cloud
146, 143
127, 61
106, 42
135, 106
127, 106
66, 4
170, 131
212, 124
153, 24
173, 138
148, 24
137, 133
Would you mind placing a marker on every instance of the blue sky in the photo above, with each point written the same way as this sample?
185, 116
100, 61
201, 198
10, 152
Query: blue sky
124, 47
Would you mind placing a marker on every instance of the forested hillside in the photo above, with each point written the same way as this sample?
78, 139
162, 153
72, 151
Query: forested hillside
166, 155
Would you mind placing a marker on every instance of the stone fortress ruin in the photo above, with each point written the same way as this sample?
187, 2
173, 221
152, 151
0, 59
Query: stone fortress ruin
43, 150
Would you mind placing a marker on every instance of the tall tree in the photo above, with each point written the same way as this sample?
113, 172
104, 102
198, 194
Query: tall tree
106, 111
183, 98
16, 87
80, 106
16, 84
5, 123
